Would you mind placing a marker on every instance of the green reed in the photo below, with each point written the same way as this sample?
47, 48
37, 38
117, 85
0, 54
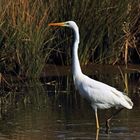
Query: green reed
106, 31
101, 26
24, 33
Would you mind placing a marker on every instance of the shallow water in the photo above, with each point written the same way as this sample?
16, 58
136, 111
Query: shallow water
53, 110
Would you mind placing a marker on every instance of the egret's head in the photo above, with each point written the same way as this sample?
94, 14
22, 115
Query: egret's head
70, 24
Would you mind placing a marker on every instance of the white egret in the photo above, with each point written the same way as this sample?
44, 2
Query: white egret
100, 95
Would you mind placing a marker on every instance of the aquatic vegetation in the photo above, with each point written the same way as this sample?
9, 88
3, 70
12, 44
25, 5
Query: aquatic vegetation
103, 24
23, 37
109, 33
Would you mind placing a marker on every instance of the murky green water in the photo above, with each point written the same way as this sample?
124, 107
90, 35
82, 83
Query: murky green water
53, 110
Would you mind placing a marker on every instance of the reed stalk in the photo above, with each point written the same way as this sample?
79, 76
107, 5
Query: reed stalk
24, 34
26, 42
101, 28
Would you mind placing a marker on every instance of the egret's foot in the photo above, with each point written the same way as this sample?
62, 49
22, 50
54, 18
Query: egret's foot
107, 123
107, 131
107, 126
108, 120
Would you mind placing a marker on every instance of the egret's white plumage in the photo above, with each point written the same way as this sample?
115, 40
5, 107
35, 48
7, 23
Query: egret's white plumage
100, 95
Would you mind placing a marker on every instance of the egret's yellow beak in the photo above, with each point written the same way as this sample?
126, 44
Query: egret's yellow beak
57, 24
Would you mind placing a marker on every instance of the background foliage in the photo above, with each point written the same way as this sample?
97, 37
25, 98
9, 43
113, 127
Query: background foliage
109, 32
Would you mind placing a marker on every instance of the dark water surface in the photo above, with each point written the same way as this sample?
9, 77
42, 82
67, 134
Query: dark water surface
53, 110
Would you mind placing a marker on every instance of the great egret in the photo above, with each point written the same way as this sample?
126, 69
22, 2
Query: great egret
99, 94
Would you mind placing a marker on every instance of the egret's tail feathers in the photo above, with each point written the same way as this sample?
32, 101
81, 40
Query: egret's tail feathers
123, 99
129, 103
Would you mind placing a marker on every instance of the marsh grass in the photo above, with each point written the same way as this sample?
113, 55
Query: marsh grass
23, 34
26, 42
101, 24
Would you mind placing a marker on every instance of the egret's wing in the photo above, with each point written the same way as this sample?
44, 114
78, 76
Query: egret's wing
125, 100
104, 94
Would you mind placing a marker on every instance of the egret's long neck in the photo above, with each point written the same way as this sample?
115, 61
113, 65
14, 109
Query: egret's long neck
76, 69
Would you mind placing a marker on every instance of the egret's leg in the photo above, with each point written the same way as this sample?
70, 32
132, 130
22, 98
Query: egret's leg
114, 114
97, 134
97, 121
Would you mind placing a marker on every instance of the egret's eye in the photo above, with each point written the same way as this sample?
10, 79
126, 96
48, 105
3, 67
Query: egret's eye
67, 24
